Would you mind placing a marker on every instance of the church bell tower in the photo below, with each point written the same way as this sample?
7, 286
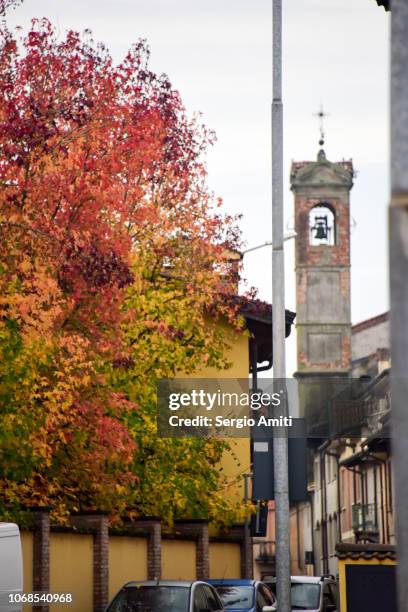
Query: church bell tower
322, 224
321, 191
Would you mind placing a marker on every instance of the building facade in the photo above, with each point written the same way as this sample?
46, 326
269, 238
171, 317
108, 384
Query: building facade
321, 191
343, 375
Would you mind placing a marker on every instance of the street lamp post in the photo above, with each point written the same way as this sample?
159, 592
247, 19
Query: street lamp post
280, 446
398, 225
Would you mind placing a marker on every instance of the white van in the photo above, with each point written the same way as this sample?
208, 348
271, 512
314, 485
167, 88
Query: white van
11, 568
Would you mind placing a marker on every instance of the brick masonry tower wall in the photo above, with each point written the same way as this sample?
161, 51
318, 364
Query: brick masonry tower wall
322, 270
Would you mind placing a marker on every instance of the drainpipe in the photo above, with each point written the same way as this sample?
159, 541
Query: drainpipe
312, 517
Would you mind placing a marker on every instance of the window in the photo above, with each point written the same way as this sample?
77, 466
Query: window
328, 597
305, 596
212, 602
236, 597
268, 595
260, 600
329, 475
151, 598
317, 472
200, 599
334, 592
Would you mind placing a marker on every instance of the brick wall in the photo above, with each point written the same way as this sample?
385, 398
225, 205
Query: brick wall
41, 554
315, 255
91, 532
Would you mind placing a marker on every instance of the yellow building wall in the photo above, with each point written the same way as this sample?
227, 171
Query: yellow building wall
342, 575
225, 560
178, 560
71, 570
127, 561
236, 463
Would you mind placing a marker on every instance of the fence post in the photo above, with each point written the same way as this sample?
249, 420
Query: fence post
41, 552
98, 523
198, 528
151, 525
245, 540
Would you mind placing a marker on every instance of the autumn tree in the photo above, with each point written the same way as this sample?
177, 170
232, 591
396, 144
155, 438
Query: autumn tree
5, 5
113, 257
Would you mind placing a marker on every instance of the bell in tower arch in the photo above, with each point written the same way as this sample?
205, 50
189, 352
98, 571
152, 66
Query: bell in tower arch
321, 226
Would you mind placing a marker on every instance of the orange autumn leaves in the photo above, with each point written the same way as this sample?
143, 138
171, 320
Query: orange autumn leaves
112, 251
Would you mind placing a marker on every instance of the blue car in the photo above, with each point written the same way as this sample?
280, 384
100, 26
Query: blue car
242, 595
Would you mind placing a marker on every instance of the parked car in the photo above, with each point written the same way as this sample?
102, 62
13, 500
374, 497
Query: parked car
243, 595
166, 596
11, 568
313, 593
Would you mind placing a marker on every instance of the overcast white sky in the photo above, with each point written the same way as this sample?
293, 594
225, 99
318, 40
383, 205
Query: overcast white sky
217, 53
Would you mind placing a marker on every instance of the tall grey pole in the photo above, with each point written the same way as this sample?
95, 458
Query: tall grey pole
398, 226
280, 446
248, 559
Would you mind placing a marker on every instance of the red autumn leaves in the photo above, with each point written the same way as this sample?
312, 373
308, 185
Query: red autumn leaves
107, 228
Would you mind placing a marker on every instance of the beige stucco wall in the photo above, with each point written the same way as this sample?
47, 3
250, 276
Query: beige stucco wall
238, 462
178, 560
368, 340
225, 560
127, 561
71, 570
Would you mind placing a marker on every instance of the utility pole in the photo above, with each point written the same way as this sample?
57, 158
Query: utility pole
280, 444
247, 533
398, 227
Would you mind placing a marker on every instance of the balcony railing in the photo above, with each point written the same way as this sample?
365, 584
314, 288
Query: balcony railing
348, 415
266, 552
364, 517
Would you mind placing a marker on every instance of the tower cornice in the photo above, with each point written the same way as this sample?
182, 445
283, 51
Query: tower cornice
321, 172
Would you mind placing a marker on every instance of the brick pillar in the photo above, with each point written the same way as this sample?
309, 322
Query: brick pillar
41, 553
241, 534
98, 523
152, 526
198, 529
247, 555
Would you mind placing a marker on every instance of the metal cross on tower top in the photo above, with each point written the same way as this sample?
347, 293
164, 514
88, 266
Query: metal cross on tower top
321, 116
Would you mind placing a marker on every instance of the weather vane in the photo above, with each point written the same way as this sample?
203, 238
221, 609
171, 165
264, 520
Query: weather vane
321, 116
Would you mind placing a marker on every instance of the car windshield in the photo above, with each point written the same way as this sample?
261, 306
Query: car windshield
305, 596
152, 599
236, 597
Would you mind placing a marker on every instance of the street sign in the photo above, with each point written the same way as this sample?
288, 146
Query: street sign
263, 479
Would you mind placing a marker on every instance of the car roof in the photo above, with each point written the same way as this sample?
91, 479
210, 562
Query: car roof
162, 583
303, 579
310, 579
233, 582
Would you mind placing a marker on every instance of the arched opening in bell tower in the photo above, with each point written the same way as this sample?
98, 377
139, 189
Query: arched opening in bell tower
322, 225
